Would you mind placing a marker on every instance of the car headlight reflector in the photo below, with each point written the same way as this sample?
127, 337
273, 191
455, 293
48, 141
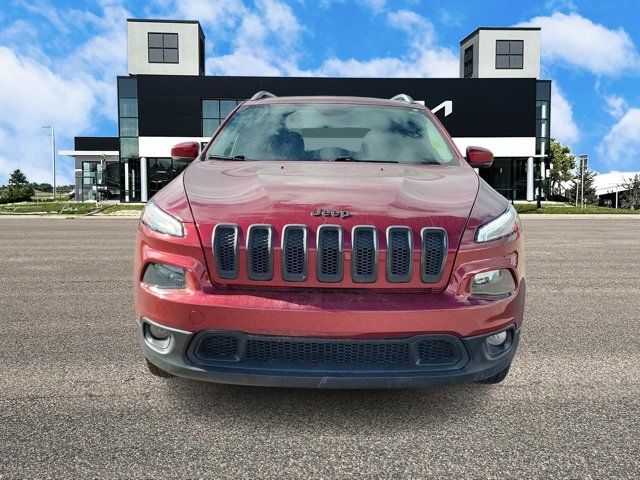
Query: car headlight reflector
157, 219
493, 283
505, 225
162, 275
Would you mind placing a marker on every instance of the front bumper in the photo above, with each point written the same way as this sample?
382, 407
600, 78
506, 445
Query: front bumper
474, 364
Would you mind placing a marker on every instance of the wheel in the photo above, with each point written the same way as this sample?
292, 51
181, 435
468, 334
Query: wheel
498, 377
157, 372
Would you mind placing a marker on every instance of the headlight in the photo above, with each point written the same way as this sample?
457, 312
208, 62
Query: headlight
160, 221
164, 276
493, 283
505, 225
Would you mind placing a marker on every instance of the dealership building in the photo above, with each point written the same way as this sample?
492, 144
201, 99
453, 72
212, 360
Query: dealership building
498, 102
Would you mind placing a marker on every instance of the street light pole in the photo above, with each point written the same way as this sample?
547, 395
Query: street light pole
53, 155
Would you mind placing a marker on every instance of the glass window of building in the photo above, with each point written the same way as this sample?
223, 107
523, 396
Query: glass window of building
509, 54
214, 111
163, 48
468, 61
129, 173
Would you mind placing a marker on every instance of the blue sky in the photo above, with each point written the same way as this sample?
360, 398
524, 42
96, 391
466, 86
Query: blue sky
59, 60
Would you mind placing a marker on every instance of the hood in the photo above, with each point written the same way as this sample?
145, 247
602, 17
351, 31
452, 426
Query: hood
281, 193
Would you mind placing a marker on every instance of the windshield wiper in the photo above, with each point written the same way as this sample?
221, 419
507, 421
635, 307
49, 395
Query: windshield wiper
346, 158
226, 158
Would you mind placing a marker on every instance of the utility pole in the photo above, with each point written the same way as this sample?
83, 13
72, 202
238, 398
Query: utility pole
53, 156
583, 167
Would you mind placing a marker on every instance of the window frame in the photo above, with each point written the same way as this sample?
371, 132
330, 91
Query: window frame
509, 55
163, 48
467, 62
220, 117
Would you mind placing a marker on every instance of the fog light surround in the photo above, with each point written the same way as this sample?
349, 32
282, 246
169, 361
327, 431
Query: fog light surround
493, 283
162, 275
157, 336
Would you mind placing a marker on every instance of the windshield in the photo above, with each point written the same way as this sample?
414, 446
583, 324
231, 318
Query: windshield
332, 132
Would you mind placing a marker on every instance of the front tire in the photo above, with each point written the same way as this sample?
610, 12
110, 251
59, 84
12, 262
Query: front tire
497, 378
156, 371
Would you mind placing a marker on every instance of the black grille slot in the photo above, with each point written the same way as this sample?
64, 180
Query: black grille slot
364, 255
294, 253
225, 250
259, 252
434, 248
218, 347
329, 267
309, 351
439, 352
399, 254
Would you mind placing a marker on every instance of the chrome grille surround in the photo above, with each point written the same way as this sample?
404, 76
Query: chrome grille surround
295, 253
434, 244
260, 252
399, 254
329, 254
364, 254
295, 241
224, 244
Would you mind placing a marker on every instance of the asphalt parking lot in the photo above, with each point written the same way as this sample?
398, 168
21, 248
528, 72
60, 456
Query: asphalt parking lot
76, 399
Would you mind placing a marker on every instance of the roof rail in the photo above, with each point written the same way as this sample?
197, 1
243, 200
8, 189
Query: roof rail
403, 97
262, 94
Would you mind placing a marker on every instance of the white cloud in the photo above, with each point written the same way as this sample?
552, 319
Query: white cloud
425, 58
217, 15
263, 40
563, 127
33, 96
616, 105
575, 41
280, 20
620, 148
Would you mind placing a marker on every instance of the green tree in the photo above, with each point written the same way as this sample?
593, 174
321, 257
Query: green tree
631, 198
563, 162
590, 197
18, 189
17, 178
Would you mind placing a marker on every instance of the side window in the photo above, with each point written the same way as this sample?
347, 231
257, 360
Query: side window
468, 62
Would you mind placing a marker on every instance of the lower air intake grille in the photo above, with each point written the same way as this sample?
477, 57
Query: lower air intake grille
435, 352
434, 247
438, 352
364, 255
225, 250
399, 254
219, 347
308, 351
294, 253
329, 266
259, 253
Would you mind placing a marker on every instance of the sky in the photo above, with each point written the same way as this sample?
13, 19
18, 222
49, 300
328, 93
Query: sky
59, 60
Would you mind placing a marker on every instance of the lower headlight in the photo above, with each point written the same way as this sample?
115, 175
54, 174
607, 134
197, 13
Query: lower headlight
164, 276
493, 283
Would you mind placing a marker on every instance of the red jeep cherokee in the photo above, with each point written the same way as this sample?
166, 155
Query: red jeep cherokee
331, 242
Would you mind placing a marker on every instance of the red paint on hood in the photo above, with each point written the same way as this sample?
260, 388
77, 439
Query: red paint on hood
280, 193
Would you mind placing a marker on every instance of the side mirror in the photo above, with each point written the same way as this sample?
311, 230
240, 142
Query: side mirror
185, 151
479, 157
